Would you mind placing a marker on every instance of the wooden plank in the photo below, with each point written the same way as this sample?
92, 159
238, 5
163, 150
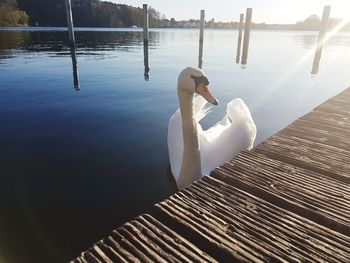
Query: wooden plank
128, 241
284, 202
99, 254
253, 216
317, 197
336, 105
144, 244
79, 260
89, 257
162, 247
235, 197
197, 234
318, 157
319, 133
112, 254
333, 119
183, 248
227, 228
120, 249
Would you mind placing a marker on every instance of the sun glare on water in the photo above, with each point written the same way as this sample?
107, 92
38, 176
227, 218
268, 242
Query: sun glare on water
307, 57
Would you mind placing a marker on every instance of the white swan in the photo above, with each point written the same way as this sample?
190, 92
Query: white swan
194, 152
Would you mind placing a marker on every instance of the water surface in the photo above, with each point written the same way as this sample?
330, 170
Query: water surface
74, 164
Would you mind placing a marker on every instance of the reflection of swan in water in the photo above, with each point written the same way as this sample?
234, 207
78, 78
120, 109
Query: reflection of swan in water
194, 152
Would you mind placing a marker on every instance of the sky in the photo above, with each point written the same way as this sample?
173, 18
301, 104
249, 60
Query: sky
268, 11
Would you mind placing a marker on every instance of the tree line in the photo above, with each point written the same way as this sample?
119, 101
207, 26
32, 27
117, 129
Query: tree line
86, 13
10, 15
313, 22
97, 13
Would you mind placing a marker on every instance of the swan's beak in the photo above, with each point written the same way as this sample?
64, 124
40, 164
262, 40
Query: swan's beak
205, 92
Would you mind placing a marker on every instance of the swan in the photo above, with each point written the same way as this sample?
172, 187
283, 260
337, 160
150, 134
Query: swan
194, 152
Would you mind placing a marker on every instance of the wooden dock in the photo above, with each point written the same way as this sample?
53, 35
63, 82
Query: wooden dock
287, 200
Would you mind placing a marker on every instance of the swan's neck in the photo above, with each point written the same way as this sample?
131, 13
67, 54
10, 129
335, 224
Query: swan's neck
191, 162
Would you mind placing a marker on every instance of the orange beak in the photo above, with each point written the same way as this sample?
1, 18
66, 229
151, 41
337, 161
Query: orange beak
205, 92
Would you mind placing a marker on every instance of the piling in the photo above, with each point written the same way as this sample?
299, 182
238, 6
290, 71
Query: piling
321, 39
201, 36
145, 24
75, 69
72, 44
247, 28
239, 42
145, 61
70, 23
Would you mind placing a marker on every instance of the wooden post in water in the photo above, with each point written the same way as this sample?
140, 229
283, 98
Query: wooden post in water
201, 36
145, 41
75, 69
72, 43
321, 39
70, 23
145, 62
145, 24
239, 42
247, 28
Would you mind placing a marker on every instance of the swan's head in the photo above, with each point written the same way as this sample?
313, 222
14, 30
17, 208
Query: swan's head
193, 80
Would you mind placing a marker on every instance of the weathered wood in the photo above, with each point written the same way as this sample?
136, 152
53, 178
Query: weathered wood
319, 133
75, 68
306, 193
176, 241
321, 38
159, 245
230, 196
130, 245
140, 241
79, 260
89, 257
99, 254
251, 217
70, 23
120, 249
287, 200
318, 157
201, 37
145, 24
145, 62
247, 28
112, 254
196, 234
336, 120
239, 41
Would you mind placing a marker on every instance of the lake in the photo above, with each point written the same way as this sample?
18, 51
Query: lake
76, 163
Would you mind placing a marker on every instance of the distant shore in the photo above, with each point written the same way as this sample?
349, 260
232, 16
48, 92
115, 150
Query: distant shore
78, 28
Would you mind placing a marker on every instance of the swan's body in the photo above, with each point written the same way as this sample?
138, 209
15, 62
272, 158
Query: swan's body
194, 152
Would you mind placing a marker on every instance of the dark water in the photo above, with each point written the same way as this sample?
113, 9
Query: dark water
74, 164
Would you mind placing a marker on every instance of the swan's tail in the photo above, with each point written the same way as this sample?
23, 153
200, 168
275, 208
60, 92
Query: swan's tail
240, 115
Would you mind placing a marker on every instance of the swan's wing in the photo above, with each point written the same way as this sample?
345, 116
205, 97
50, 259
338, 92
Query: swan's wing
175, 143
215, 131
200, 110
236, 132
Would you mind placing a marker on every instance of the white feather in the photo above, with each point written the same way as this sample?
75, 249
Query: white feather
220, 143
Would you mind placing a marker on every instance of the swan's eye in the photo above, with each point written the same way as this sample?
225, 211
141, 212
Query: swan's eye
199, 80
205, 81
